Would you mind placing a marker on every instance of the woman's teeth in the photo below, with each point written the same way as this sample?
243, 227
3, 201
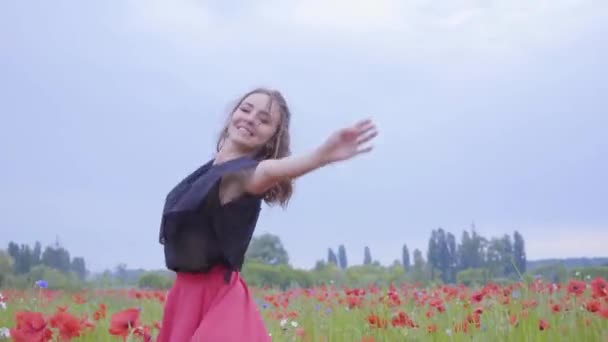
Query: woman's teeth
245, 131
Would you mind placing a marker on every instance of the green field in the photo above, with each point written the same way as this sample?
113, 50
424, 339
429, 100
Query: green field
538, 311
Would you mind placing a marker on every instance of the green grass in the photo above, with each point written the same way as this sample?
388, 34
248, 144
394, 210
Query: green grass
332, 319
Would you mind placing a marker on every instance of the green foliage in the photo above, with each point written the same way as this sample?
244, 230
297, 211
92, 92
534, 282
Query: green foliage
57, 257
268, 249
283, 276
473, 276
78, 266
569, 263
502, 257
361, 275
154, 280
519, 252
22, 256
6, 267
591, 272
420, 272
555, 273
57, 280
22, 265
442, 256
325, 273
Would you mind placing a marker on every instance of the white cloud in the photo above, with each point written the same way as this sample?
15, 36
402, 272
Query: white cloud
175, 18
351, 16
435, 32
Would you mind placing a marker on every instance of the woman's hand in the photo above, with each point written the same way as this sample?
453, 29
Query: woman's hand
348, 142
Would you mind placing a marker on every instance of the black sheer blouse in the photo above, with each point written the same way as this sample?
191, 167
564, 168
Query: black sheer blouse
198, 231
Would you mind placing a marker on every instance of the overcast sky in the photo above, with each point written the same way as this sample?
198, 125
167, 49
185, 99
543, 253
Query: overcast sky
493, 112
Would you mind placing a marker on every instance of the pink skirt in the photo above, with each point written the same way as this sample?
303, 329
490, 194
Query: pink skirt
203, 307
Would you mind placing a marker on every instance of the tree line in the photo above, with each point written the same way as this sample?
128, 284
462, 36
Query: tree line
25, 258
498, 256
21, 264
472, 260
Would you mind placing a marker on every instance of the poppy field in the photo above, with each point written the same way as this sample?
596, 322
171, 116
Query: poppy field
536, 311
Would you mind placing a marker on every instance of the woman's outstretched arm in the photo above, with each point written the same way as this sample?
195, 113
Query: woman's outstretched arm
341, 145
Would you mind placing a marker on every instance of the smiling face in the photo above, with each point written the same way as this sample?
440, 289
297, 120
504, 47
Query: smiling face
254, 122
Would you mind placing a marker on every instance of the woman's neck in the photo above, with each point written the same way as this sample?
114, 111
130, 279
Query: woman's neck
229, 151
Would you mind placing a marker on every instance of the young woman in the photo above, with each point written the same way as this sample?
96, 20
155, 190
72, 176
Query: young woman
209, 217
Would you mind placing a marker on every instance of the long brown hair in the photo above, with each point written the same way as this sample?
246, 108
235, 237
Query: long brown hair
277, 147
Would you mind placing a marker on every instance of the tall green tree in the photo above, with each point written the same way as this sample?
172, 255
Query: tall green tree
331, 257
405, 258
268, 249
494, 257
452, 258
342, 257
519, 252
508, 257
6, 266
443, 257
419, 267
37, 254
471, 251
79, 267
367, 256
432, 254
57, 257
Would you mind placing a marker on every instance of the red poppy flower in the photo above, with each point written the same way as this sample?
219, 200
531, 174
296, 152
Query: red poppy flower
123, 322
69, 326
376, 321
576, 287
31, 326
593, 306
599, 287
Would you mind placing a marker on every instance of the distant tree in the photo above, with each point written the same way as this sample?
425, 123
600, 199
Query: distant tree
153, 280
15, 253
367, 257
37, 254
432, 254
519, 252
493, 257
320, 265
472, 250
6, 266
342, 257
405, 258
507, 257
443, 258
22, 257
13, 250
331, 257
268, 249
57, 257
78, 266
121, 272
452, 258
419, 267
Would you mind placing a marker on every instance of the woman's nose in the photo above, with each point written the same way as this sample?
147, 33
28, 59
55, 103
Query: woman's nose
251, 119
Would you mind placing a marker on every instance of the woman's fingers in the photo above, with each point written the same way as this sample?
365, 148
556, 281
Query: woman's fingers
367, 136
